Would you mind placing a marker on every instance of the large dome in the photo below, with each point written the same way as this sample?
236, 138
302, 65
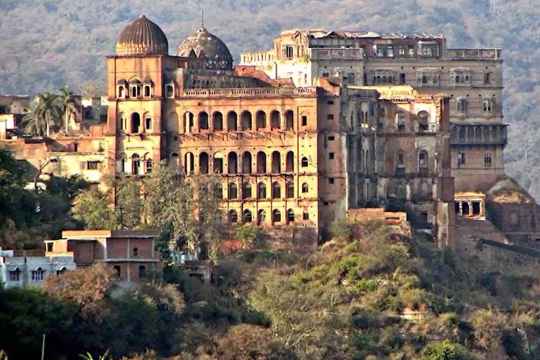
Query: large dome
142, 37
203, 43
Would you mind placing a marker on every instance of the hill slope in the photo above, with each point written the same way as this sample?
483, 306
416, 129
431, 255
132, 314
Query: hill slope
46, 44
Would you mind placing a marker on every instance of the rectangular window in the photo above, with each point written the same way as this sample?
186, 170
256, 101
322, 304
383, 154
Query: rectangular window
402, 78
461, 159
330, 102
304, 120
487, 78
331, 156
330, 116
488, 160
331, 138
92, 165
15, 275
331, 181
305, 216
50, 247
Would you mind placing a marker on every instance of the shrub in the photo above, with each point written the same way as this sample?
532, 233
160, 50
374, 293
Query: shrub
342, 229
250, 235
446, 350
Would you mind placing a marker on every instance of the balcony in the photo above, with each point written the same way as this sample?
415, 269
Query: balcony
476, 134
474, 54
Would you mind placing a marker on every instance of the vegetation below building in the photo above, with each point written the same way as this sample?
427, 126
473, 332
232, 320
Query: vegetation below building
368, 294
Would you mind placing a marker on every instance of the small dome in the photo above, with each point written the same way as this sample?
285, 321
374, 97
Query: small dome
203, 43
142, 37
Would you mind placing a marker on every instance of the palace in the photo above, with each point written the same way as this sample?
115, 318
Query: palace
323, 123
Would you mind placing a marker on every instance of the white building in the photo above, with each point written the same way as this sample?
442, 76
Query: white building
25, 271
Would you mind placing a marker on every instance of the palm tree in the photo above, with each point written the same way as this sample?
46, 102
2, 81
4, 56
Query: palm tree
45, 113
69, 105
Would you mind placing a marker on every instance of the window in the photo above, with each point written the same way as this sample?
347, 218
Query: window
461, 159
288, 51
330, 102
462, 105
218, 163
50, 247
149, 165
203, 120
148, 122
289, 190
246, 120
217, 121
423, 162
289, 120
305, 216
260, 120
169, 91
117, 271
142, 271
246, 190
402, 78
305, 162
189, 163
233, 191
487, 78
38, 274
232, 121
15, 275
290, 216
400, 121
330, 116
246, 163
276, 162
275, 120
260, 217
305, 188
147, 91
276, 216
331, 181
247, 217
261, 190
331, 138
304, 120
276, 190
92, 165
233, 217
331, 156
423, 121
203, 163
232, 163
488, 105
289, 165
488, 160
135, 123
135, 164
135, 252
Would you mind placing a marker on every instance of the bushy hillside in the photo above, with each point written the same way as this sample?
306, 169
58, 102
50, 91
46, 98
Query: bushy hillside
47, 43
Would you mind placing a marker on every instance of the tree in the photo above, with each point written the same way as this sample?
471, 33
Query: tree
129, 204
69, 105
92, 208
45, 114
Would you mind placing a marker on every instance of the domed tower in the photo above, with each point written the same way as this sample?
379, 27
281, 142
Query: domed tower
142, 37
208, 46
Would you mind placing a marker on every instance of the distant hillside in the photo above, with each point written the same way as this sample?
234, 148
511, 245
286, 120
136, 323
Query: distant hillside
47, 43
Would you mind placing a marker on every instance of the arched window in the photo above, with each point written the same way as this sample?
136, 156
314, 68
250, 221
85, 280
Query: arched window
169, 90
232, 163
276, 190
276, 216
261, 190
289, 120
189, 163
276, 162
462, 105
122, 165
147, 122
218, 163
149, 166
217, 121
305, 162
135, 87
290, 216
246, 163
188, 122
423, 162
246, 190
289, 190
247, 217
305, 188
246, 120
261, 162
135, 123
289, 166
260, 217
423, 121
232, 191
203, 163
147, 92
122, 122
233, 216
136, 164
488, 105
121, 89
260, 119
203, 120
232, 121
275, 120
